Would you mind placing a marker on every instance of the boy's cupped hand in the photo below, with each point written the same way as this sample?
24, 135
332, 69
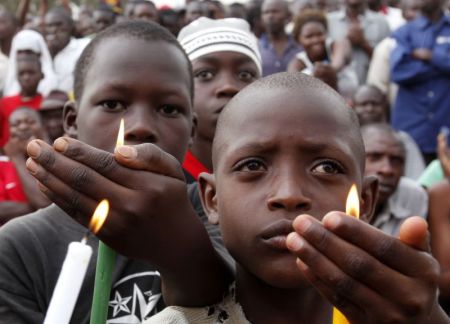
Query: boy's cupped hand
144, 185
369, 276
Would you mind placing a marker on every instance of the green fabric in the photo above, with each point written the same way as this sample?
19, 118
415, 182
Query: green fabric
432, 174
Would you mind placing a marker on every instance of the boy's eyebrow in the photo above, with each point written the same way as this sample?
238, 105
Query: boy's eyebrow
270, 146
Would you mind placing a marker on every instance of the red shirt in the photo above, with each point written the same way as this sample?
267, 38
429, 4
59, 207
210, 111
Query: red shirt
7, 106
10, 186
193, 166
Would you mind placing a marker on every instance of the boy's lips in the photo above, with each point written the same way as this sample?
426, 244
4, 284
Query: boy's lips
275, 234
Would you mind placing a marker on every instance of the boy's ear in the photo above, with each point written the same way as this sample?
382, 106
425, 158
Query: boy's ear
369, 195
70, 119
207, 188
194, 128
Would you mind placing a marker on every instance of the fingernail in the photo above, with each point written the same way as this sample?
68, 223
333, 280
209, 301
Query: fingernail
32, 166
302, 224
294, 242
331, 221
34, 149
127, 152
60, 145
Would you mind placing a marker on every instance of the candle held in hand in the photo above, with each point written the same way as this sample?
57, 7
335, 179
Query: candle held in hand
106, 260
352, 209
71, 277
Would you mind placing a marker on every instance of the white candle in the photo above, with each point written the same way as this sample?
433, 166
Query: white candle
69, 283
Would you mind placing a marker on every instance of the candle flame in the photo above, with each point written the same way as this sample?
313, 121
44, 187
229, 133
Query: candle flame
120, 136
352, 206
99, 216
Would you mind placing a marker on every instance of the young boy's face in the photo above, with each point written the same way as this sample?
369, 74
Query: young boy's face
29, 75
283, 154
147, 84
218, 77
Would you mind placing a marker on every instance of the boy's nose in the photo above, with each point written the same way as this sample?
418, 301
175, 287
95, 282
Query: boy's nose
140, 126
288, 195
228, 87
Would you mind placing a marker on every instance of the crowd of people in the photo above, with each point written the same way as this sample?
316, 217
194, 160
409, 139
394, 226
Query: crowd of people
245, 127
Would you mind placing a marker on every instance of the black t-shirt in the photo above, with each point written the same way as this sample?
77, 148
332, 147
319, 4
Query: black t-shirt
32, 251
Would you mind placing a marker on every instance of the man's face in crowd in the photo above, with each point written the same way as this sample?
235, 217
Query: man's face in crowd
274, 15
385, 159
411, 9
58, 30
102, 20
146, 12
25, 124
7, 26
29, 75
370, 105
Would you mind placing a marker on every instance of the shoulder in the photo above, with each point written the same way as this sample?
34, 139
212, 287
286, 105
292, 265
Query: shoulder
45, 224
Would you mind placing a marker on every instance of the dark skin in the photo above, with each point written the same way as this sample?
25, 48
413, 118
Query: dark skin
431, 9
147, 12
7, 31
147, 84
52, 119
274, 16
312, 37
102, 20
385, 159
194, 10
284, 174
355, 33
218, 77
25, 126
58, 30
370, 105
29, 75
438, 216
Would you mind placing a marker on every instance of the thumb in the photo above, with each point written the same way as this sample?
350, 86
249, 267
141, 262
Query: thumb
414, 232
149, 157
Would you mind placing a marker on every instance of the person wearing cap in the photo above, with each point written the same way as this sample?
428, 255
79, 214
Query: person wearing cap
51, 112
225, 58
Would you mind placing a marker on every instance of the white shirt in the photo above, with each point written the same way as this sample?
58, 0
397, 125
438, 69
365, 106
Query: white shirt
64, 62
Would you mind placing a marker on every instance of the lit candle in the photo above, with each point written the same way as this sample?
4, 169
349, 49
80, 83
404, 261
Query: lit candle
105, 265
72, 274
352, 209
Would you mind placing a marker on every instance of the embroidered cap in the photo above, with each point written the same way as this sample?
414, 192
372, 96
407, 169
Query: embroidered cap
204, 36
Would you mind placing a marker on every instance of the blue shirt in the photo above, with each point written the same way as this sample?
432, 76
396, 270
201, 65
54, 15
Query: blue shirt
271, 62
423, 100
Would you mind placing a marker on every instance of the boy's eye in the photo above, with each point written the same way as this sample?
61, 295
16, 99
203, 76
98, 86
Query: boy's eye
113, 105
251, 165
169, 110
328, 167
246, 76
204, 75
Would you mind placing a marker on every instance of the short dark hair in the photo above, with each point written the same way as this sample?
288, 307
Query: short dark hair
308, 15
147, 31
63, 12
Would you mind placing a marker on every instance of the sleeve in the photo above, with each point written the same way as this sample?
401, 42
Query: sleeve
18, 303
379, 74
405, 69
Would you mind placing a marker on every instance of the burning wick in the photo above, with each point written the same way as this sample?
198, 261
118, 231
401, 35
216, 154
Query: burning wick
352, 209
352, 205
73, 272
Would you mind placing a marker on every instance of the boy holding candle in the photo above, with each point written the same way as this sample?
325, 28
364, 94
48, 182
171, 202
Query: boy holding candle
137, 71
277, 192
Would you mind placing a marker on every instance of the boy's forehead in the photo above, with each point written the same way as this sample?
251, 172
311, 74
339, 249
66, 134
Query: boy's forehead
285, 110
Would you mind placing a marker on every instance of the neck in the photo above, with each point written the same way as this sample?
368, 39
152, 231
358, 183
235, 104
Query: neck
27, 95
277, 36
262, 303
202, 149
433, 16
5, 46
